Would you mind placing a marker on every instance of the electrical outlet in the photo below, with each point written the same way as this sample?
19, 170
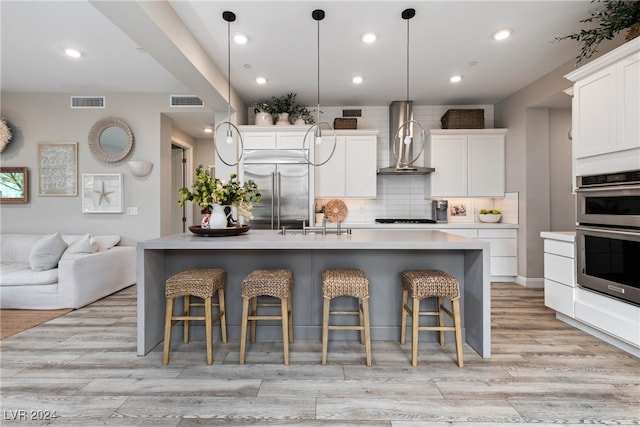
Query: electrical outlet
132, 210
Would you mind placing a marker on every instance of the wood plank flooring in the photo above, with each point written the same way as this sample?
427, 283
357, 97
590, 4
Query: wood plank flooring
543, 372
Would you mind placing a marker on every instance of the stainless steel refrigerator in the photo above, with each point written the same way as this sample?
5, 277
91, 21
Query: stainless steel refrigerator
282, 177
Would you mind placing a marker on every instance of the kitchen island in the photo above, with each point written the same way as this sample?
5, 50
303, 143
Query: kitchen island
381, 254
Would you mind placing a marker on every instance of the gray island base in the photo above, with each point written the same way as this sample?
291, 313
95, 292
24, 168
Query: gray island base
381, 254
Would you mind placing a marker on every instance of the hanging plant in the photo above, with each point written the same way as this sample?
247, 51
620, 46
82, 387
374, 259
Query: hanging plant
5, 135
616, 16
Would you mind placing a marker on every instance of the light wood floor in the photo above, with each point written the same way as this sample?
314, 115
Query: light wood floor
84, 367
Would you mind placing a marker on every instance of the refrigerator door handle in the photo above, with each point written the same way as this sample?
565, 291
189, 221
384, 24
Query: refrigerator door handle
273, 198
279, 197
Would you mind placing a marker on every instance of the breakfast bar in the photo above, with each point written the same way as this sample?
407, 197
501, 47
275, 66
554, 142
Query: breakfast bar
381, 254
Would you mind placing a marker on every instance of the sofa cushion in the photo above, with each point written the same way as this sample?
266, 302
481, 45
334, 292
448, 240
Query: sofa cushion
46, 252
22, 275
87, 244
107, 241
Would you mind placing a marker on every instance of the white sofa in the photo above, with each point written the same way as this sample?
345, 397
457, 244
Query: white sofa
88, 268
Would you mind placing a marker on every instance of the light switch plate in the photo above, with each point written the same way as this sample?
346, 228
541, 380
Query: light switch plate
132, 210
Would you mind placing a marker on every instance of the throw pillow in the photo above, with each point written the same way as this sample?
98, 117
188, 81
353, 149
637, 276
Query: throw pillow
85, 245
46, 252
107, 241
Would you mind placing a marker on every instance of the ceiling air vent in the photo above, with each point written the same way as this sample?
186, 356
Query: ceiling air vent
186, 101
87, 102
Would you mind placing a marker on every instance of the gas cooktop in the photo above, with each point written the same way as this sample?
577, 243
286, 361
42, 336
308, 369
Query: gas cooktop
405, 221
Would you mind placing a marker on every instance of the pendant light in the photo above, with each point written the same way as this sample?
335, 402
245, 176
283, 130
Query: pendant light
229, 17
404, 138
316, 129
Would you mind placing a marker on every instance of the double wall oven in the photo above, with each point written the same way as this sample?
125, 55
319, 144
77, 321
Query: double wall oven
608, 234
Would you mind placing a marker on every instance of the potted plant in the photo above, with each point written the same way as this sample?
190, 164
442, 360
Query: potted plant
616, 16
262, 110
213, 195
283, 106
301, 113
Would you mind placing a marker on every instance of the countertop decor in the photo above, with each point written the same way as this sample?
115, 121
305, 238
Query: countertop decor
335, 210
219, 232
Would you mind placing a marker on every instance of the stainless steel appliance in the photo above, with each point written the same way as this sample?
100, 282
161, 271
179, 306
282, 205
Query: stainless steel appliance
282, 177
608, 234
440, 210
399, 113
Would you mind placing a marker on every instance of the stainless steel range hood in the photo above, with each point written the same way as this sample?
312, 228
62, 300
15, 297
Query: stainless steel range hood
399, 113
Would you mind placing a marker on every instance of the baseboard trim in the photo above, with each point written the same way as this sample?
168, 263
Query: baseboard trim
530, 283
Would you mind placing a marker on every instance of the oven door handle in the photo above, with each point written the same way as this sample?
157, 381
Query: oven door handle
607, 188
607, 230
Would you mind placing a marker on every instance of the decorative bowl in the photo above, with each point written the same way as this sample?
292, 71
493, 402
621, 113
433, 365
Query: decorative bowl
139, 168
489, 217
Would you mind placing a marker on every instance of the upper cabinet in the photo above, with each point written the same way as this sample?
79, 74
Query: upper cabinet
467, 162
606, 112
351, 171
273, 137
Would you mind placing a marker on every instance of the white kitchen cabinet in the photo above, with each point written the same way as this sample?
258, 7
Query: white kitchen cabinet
605, 111
273, 137
351, 172
467, 162
504, 249
559, 276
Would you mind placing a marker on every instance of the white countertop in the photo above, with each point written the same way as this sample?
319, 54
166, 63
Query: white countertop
359, 239
564, 236
440, 226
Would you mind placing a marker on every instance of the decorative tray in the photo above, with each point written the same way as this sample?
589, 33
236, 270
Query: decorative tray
218, 232
335, 210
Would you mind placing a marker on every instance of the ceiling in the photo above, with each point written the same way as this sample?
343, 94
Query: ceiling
124, 53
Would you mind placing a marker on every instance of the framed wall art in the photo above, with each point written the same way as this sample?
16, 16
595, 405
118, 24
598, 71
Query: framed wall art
14, 185
57, 169
102, 193
460, 210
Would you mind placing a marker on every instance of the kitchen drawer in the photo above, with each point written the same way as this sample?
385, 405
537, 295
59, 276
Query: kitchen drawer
497, 233
559, 297
560, 269
464, 232
504, 265
564, 249
503, 247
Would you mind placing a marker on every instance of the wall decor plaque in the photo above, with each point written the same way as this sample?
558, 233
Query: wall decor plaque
58, 169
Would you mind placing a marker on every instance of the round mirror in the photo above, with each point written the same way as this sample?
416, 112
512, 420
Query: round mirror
110, 139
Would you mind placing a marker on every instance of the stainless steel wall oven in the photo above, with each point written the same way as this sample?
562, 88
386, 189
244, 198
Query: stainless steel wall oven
608, 234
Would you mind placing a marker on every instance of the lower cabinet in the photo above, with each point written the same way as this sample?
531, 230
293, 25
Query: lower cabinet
504, 249
559, 276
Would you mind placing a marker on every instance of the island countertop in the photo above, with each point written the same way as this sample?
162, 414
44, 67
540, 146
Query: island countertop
381, 254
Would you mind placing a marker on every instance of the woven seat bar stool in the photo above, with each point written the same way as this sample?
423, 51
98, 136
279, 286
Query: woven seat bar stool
276, 283
421, 284
202, 283
346, 282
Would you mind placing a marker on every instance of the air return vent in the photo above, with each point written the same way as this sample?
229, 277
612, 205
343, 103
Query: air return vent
87, 102
352, 113
186, 101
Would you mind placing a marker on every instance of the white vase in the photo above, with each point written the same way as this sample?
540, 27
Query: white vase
218, 218
263, 119
283, 120
299, 122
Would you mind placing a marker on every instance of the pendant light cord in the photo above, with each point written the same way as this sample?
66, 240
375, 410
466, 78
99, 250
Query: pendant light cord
407, 59
318, 52
229, 72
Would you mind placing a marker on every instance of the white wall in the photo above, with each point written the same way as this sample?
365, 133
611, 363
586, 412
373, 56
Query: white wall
563, 201
48, 117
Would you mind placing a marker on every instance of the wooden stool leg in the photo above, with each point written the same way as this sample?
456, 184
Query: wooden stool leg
243, 331
284, 306
167, 330
415, 329
208, 328
440, 303
223, 316
403, 320
361, 319
366, 331
455, 304
290, 317
254, 312
325, 329
187, 312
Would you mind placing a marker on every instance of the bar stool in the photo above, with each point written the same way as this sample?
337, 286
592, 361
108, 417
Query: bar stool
346, 282
202, 283
420, 284
272, 283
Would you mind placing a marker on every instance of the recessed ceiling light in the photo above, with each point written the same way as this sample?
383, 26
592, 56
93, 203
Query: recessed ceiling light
208, 130
261, 80
455, 79
369, 37
357, 80
502, 34
72, 53
241, 38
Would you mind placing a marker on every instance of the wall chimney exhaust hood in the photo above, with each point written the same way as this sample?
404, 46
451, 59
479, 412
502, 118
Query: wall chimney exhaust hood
401, 112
